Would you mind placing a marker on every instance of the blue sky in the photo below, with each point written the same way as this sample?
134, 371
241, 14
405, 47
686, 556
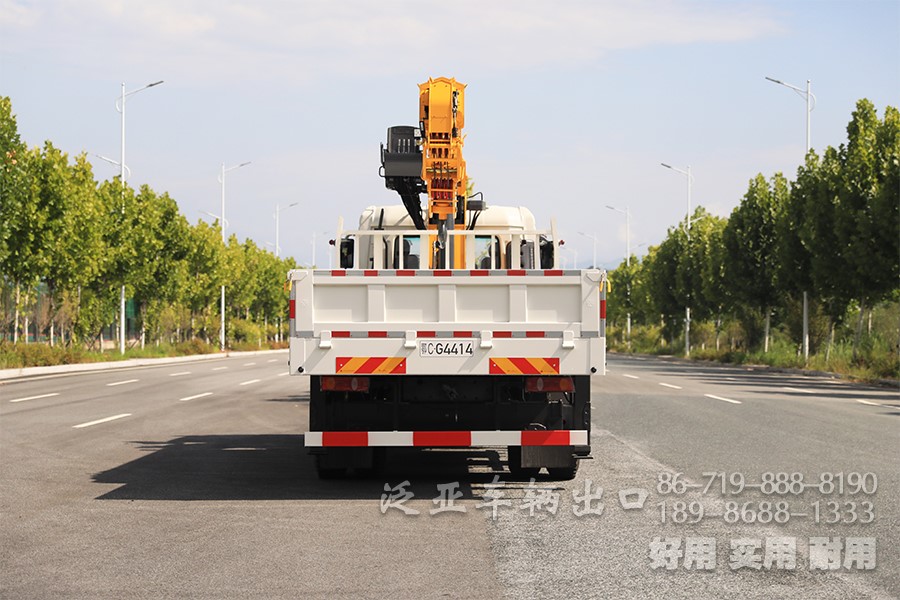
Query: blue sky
571, 105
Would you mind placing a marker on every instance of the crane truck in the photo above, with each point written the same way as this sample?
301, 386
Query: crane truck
446, 326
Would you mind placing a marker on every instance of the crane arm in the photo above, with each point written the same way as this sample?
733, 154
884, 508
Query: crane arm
429, 160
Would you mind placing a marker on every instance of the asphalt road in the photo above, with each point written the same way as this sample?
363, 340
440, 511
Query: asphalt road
190, 480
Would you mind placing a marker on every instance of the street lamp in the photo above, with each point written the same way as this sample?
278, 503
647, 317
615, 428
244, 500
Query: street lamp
574, 253
627, 214
215, 216
687, 225
113, 162
594, 247
314, 236
810, 105
222, 309
278, 210
120, 106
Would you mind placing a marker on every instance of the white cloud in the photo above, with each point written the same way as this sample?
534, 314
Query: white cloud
17, 15
356, 37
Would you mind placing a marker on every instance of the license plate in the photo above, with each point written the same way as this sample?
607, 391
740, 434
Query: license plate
448, 348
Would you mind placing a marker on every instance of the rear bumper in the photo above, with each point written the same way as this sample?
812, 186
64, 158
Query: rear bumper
445, 439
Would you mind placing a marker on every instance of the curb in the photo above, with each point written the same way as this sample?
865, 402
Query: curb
8, 374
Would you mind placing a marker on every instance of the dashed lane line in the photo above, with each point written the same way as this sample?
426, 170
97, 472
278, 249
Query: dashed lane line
630, 376
283, 374
249, 364
98, 421
669, 385
271, 360
179, 374
723, 399
195, 396
220, 368
867, 403
251, 381
802, 391
115, 383
35, 397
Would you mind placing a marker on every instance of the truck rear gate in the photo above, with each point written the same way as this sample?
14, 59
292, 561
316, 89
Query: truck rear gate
449, 358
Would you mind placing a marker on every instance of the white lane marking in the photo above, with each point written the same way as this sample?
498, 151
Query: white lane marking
283, 374
98, 421
802, 391
204, 394
630, 376
669, 385
179, 373
219, 368
249, 364
35, 397
723, 399
272, 360
866, 402
251, 381
121, 382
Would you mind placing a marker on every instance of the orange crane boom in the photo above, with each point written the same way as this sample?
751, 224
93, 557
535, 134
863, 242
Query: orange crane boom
429, 159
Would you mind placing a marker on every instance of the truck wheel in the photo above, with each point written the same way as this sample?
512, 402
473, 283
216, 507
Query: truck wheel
329, 472
514, 462
563, 473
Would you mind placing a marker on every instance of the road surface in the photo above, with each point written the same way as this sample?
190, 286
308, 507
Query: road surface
191, 480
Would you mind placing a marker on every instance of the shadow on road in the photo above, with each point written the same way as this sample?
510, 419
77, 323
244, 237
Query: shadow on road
277, 467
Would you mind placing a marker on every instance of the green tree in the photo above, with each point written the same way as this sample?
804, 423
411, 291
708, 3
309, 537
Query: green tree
26, 226
666, 297
714, 292
206, 273
871, 257
750, 240
12, 175
158, 253
819, 182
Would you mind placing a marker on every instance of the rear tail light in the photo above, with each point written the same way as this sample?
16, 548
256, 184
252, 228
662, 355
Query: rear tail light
549, 384
345, 384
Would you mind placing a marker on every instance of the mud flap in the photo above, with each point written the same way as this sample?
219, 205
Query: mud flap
548, 456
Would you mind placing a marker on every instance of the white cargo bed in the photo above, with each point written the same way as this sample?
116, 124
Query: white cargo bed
448, 322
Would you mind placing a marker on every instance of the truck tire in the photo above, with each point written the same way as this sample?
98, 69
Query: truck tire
329, 472
563, 473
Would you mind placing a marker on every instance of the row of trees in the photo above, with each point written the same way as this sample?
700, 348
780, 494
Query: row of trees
834, 232
74, 242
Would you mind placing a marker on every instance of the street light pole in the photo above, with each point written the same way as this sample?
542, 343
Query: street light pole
222, 308
687, 225
120, 106
810, 105
627, 213
278, 210
315, 235
593, 247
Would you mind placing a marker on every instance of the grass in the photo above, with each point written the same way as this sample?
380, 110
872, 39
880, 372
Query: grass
875, 358
17, 356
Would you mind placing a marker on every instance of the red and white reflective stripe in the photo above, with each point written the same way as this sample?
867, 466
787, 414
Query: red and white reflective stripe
448, 272
467, 333
446, 439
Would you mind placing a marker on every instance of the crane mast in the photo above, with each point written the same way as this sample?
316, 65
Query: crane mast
429, 159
